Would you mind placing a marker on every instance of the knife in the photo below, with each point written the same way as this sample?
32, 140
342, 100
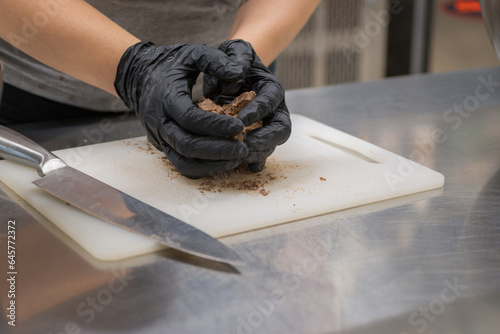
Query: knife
108, 203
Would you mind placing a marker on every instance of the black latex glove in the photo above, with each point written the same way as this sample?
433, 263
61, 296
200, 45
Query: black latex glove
269, 105
156, 83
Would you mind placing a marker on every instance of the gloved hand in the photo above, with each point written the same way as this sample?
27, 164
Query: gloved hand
156, 83
269, 105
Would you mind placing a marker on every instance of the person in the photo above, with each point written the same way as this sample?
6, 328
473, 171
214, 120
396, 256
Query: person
68, 58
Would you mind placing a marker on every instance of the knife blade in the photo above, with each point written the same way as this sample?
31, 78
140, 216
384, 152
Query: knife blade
110, 204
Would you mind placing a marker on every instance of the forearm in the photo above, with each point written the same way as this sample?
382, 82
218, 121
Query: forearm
270, 25
70, 36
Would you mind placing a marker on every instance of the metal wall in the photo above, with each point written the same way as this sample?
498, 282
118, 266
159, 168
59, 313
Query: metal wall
344, 41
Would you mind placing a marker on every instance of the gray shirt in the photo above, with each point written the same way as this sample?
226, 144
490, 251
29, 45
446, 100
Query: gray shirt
160, 21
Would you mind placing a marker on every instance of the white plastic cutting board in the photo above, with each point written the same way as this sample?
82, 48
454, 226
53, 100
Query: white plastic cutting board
318, 170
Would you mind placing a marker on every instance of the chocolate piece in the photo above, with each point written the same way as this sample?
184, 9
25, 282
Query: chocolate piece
209, 105
232, 109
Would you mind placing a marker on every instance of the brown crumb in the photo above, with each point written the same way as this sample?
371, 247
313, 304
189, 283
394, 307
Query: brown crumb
232, 109
264, 192
322, 179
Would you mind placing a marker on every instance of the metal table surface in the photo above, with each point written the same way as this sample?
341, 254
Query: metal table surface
426, 263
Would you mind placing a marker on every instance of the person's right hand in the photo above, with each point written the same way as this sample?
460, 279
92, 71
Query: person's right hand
156, 83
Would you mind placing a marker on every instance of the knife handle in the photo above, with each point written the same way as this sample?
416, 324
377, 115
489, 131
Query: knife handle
18, 148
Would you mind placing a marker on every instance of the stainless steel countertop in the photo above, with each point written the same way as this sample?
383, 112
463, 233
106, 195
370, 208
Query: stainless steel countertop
426, 263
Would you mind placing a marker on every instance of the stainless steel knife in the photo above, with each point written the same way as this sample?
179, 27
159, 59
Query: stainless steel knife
108, 203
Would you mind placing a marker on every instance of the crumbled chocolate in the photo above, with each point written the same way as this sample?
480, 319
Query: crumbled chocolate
232, 109
238, 179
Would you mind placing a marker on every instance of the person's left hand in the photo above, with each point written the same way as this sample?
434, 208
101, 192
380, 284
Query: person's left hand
156, 82
269, 105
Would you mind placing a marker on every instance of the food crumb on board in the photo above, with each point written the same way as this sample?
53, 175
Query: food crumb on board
264, 192
239, 179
